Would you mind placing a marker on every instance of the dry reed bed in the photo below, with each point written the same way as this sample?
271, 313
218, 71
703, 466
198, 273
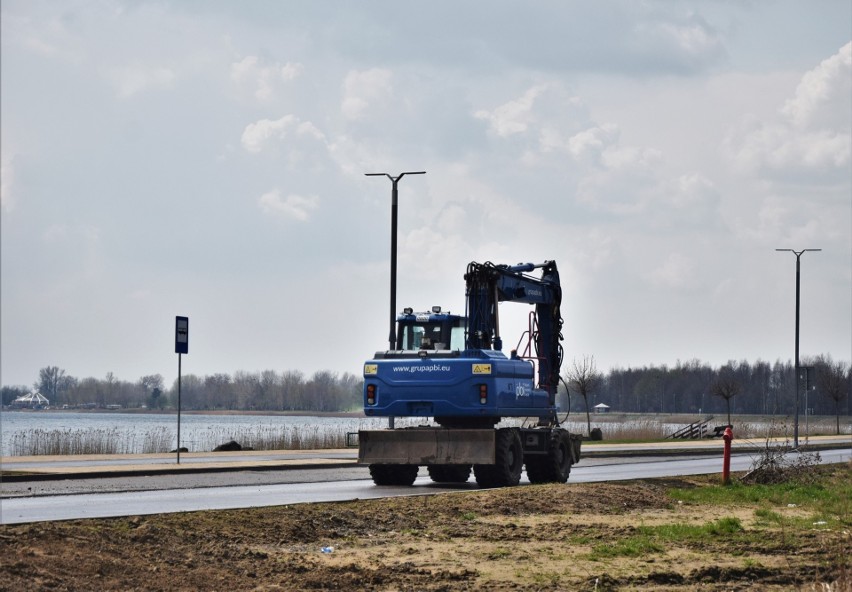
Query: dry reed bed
317, 437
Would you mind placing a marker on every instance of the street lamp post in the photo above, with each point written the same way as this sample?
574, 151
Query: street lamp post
808, 376
394, 208
798, 255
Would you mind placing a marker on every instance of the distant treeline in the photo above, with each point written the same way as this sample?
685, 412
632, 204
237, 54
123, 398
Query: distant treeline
268, 390
687, 387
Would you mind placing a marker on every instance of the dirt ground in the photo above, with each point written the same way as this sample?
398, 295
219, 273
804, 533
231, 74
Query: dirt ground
543, 537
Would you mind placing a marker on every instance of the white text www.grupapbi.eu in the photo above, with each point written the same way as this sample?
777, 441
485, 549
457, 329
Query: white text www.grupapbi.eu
429, 368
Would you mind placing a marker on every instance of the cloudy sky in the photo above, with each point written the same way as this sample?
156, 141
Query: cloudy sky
207, 159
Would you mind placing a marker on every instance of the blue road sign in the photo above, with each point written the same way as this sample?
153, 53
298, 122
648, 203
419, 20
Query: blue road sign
181, 335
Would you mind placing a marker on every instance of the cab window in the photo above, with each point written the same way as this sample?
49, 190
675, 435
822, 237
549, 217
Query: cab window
421, 336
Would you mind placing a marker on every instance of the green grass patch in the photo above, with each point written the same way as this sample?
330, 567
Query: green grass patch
546, 579
827, 501
632, 546
778, 495
693, 532
580, 539
766, 517
499, 553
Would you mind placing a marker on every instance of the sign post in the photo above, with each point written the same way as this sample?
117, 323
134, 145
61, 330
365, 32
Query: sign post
181, 347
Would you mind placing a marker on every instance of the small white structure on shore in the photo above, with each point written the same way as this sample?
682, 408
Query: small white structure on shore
601, 408
34, 400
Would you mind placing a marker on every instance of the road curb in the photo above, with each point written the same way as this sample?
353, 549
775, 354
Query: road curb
23, 476
701, 451
165, 470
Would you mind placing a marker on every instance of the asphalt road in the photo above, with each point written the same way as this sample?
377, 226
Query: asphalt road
130, 496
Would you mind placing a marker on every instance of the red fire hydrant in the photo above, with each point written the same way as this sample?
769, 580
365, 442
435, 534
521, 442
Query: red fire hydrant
727, 436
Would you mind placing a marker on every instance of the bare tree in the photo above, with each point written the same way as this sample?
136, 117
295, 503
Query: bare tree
10, 393
292, 390
584, 379
54, 384
219, 391
269, 387
192, 392
726, 386
154, 384
833, 380
88, 390
110, 386
322, 391
151, 381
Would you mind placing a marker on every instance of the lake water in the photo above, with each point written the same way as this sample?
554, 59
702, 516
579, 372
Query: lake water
197, 432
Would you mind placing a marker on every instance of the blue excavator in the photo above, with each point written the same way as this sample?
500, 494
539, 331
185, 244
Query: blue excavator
451, 369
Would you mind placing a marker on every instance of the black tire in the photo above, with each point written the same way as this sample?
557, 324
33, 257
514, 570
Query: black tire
393, 474
449, 473
556, 465
537, 471
509, 461
560, 457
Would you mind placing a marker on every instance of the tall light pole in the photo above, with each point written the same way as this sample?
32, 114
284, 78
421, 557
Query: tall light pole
394, 208
798, 255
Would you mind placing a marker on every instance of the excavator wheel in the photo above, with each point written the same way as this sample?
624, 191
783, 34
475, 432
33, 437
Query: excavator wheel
537, 469
449, 473
393, 474
509, 457
556, 465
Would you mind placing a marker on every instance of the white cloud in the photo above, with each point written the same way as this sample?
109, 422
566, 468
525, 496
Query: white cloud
631, 157
693, 38
247, 69
773, 217
244, 68
692, 191
365, 89
594, 140
293, 207
40, 46
782, 148
686, 43
435, 246
291, 71
779, 221
257, 135
602, 144
48, 37
676, 272
54, 233
823, 96
812, 133
453, 219
513, 117
550, 128
261, 78
132, 80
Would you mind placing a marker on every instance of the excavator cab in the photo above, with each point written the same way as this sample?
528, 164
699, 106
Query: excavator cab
430, 331
420, 336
